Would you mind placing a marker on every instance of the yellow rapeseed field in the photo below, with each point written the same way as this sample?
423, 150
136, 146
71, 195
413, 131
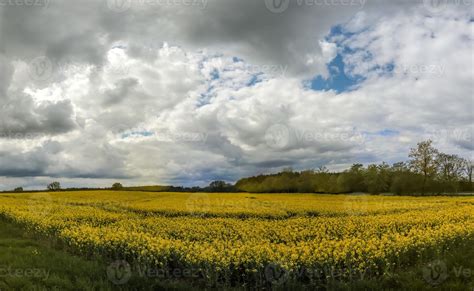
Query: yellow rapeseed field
238, 235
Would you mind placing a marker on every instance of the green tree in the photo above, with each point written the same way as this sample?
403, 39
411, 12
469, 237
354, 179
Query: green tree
356, 178
220, 186
117, 186
18, 189
406, 182
343, 183
450, 168
399, 167
54, 186
424, 161
376, 178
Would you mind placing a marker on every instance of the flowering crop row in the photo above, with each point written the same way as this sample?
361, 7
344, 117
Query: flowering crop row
238, 235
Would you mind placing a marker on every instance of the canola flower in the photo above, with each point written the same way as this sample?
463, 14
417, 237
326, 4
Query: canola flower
237, 235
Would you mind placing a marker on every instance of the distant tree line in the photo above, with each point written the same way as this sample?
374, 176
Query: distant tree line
427, 172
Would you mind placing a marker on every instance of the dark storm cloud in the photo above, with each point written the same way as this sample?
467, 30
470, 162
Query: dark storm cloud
50, 159
82, 31
17, 164
20, 115
20, 118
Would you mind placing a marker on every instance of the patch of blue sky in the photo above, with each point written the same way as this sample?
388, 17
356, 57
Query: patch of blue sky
342, 76
215, 74
338, 80
255, 79
387, 132
137, 134
205, 98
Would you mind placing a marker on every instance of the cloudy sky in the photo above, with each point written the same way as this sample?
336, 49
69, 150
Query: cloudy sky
188, 91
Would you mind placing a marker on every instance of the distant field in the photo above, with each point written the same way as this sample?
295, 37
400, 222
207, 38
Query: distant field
260, 240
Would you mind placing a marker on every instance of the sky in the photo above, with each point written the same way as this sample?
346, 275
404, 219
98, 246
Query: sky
184, 92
